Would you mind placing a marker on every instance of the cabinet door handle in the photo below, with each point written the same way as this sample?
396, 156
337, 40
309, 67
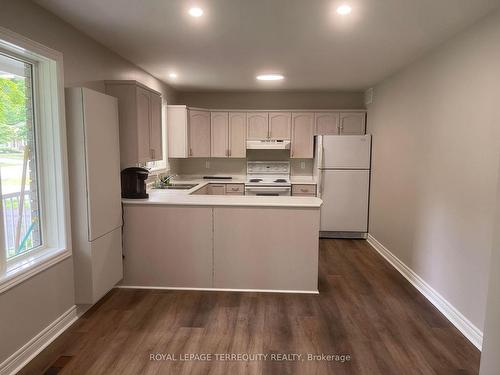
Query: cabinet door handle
235, 189
303, 190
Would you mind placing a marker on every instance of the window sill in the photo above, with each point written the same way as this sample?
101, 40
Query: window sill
17, 272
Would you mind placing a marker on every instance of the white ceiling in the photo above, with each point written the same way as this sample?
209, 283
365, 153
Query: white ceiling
306, 40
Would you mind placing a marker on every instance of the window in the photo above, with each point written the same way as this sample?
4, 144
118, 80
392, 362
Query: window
34, 213
161, 165
18, 161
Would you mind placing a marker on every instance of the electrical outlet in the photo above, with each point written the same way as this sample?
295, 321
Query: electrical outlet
207, 164
302, 165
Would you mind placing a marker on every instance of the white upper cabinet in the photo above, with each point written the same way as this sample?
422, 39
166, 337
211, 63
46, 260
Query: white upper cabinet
177, 131
222, 134
139, 109
237, 134
280, 125
327, 123
352, 123
257, 125
302, 135
219, 123
199, 134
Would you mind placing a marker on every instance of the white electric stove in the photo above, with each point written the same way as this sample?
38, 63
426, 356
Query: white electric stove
268, 178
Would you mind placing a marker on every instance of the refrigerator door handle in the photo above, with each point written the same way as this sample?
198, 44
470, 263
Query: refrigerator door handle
321, 183
322, 160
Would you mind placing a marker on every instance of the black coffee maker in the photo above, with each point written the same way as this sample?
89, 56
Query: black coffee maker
134, 183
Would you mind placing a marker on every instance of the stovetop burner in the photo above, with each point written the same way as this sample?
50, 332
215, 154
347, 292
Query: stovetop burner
282, 180
255, 179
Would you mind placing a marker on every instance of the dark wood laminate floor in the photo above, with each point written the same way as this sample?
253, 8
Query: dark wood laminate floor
365, 309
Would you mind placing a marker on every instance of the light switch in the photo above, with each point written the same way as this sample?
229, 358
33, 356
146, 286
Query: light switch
207, 164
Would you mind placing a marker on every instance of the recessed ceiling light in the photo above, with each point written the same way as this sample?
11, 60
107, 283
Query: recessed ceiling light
196, 12
344, 9
270, 77
173, 75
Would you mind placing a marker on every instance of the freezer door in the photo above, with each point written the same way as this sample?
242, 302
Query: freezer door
346, 151
102, 150
345, 200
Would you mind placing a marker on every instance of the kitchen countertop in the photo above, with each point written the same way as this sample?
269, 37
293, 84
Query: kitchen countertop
184, 197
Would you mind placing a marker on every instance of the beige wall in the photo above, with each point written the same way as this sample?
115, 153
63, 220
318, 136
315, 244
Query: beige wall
32, 305
272, 100
216, 166
490, 360
28, 308
435, 165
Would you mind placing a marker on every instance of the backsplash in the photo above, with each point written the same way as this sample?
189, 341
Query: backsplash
222, 166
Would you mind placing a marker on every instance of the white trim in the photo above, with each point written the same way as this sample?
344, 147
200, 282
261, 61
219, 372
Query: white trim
51, 148
21, 357
218, 289
468, 329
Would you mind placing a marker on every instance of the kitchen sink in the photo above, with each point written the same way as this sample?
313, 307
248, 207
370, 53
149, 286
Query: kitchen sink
177, 187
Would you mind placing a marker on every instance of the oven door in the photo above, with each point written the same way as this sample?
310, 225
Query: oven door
268, 191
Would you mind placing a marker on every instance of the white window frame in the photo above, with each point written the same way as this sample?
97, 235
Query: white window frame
48, 88
164, 166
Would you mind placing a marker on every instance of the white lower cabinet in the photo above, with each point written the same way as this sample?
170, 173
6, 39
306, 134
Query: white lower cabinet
221, 189
168, 246
304, 190
209, 247
217, 189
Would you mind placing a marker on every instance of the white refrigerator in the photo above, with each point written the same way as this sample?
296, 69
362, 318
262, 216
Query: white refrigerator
95, 192
342, 167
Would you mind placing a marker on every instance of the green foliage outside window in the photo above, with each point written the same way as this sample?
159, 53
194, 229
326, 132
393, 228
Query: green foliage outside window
12, 110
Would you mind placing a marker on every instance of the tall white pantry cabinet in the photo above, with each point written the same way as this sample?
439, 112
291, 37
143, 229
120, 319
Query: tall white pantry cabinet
94, 177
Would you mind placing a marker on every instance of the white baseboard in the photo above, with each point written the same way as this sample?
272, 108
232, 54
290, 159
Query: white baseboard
469, 330
21, 357
219, 289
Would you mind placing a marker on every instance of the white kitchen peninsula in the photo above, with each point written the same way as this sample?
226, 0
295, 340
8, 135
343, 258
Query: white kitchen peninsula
178, 240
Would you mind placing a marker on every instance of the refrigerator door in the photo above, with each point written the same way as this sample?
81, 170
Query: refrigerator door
345, 152
102, 151
345, 200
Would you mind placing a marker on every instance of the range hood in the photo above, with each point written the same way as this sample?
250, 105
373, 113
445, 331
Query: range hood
269, 144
